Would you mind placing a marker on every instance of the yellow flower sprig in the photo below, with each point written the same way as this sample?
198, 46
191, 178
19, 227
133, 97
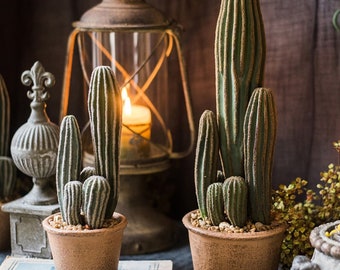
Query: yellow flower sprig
334, 231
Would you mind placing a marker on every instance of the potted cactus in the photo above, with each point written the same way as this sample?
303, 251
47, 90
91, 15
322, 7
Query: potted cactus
233, 227
7, 167
87, 234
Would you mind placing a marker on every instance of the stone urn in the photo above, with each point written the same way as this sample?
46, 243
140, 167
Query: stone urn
326, 247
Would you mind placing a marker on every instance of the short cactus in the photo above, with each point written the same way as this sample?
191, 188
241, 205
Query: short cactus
96, 192
215, 207
72, 202
235, 200
246, 122
7, 177
86, 173
93, 191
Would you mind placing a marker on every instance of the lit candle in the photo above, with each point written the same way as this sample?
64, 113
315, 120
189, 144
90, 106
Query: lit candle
136, 130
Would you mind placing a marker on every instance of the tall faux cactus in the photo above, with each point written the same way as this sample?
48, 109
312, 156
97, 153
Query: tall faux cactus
239, 66
246, 123
91, 191
7, 168
105, 106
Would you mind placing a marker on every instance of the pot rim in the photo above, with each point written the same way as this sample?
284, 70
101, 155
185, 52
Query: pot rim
232, 236
120, 226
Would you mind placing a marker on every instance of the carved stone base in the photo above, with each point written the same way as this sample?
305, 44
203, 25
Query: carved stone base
28, 237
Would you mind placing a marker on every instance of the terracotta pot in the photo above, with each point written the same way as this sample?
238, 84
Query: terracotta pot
5, 237
212, 250
81, 250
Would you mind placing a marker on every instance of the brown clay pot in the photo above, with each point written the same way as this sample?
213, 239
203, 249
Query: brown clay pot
212, 250
5, 238
86, 250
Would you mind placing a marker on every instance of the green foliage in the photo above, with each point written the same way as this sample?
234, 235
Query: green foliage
304, 209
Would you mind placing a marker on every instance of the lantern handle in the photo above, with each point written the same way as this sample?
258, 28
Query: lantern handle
174, 31
67, 74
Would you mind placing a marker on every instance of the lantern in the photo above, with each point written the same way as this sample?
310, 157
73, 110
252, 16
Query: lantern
137, 41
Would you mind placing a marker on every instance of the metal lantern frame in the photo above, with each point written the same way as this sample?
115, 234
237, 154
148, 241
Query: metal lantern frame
139, 17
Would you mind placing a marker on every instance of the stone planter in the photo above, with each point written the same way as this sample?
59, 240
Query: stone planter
5, 239
326, 250
88, 249
212, 250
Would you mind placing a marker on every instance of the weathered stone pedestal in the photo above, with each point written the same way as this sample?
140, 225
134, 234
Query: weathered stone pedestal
28, 238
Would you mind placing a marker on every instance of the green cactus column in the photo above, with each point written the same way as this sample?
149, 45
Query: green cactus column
68, 157
105, 111
205, 171
259, 142
239, 59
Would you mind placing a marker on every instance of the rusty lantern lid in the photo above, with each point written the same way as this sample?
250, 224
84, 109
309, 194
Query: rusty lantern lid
122, 15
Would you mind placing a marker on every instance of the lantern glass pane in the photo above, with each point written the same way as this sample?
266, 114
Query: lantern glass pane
139, 61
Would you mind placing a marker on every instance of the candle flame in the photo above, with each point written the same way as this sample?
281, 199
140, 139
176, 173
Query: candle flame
126, 102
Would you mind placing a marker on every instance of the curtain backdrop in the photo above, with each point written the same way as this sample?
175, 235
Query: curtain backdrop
302, 68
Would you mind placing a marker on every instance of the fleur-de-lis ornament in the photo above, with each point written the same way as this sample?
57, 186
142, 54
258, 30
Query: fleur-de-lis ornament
34, 145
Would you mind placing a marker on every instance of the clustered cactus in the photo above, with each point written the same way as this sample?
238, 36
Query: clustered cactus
244, 131
89, 195
7, 166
